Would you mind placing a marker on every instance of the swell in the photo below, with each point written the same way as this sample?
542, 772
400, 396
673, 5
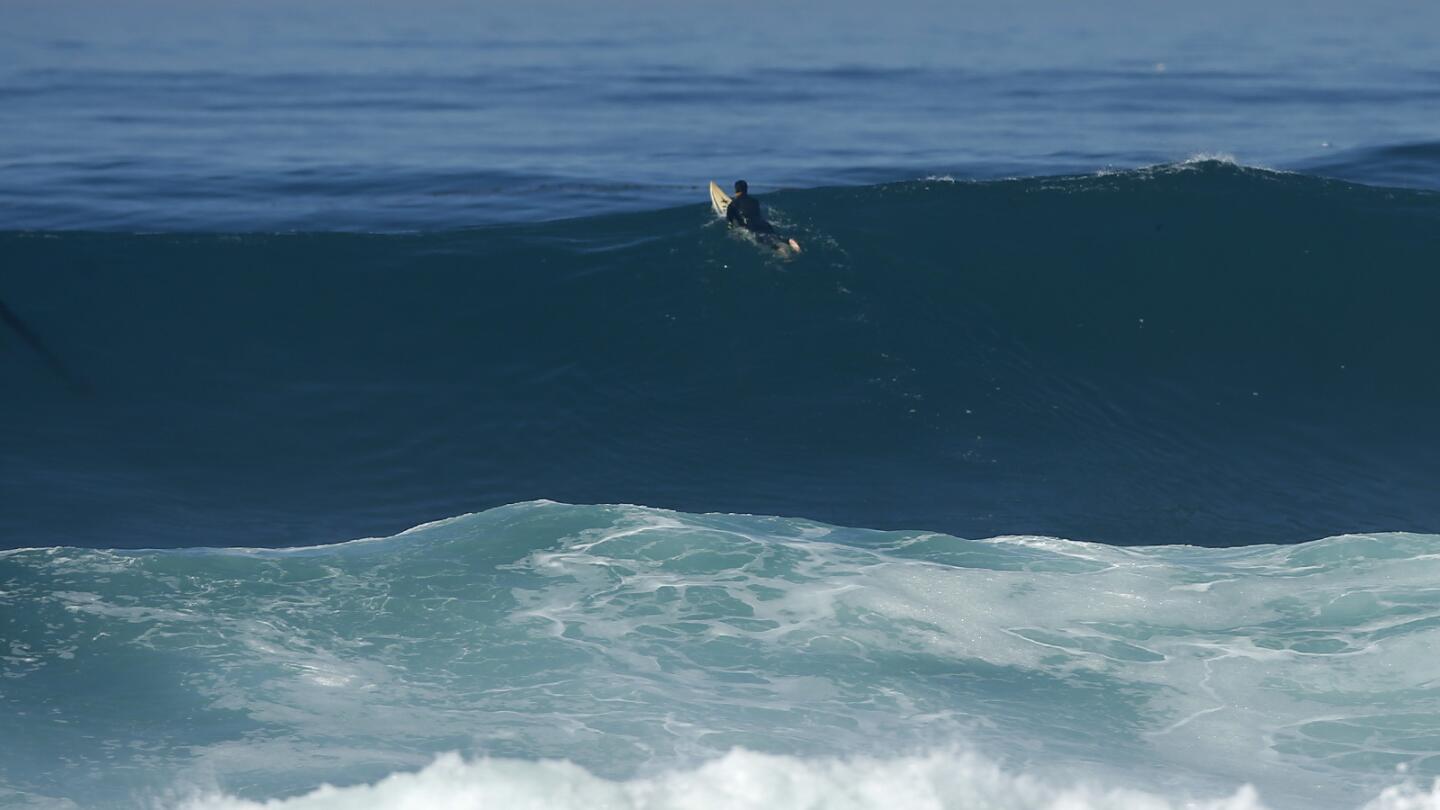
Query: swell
1403, 165
1202, 353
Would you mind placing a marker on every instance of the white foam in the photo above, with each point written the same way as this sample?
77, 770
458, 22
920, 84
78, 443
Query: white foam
1211, 157
1407, 797
1229, 660
626, 640
745, 780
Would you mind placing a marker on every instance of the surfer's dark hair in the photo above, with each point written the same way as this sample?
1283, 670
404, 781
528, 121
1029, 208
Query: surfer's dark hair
741, 187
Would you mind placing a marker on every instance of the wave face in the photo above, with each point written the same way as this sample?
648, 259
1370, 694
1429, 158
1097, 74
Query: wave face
1199, 353
634, 645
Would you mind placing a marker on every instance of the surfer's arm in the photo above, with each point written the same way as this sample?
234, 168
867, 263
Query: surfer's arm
732, 214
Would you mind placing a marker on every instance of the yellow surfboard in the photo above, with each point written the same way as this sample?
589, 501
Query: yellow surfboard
719, 200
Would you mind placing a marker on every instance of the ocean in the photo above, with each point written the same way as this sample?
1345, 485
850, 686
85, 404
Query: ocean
389, 422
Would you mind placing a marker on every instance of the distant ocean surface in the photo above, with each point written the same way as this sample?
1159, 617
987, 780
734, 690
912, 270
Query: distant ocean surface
1085, 458
160, 115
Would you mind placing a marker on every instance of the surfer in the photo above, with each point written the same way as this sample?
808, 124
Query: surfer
744, 211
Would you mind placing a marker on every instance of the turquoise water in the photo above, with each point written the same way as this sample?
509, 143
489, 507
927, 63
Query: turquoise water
637, 644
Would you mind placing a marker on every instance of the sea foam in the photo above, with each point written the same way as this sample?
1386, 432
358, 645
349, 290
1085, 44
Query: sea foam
745, 780
817, 663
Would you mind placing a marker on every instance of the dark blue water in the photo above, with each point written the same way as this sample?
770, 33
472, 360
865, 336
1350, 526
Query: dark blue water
1205, 353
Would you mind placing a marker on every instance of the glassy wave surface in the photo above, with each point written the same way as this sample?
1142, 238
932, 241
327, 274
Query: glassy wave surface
1200, 353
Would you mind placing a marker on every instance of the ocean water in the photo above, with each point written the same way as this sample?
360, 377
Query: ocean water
1198, 353
325, 115
1085, 458
609, 656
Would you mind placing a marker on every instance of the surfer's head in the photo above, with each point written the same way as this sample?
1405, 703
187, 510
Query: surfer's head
741, 187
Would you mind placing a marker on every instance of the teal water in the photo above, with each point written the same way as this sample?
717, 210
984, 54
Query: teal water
637, 644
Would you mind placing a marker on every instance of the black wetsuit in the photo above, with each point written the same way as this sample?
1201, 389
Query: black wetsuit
744, 211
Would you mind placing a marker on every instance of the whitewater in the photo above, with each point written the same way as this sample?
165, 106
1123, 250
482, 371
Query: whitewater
620, 656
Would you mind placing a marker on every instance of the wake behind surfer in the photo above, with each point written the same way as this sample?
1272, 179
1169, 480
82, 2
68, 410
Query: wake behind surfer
745, 212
